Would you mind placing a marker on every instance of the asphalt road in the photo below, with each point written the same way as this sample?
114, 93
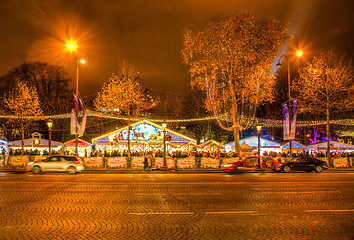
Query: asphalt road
177, 206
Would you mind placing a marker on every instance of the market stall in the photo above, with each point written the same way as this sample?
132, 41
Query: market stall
35, 145
145, 136
83, 148
336, 148
295, 146
211, 145
266, 145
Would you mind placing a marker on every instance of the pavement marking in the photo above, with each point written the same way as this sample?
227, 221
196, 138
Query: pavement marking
178, 183
173, 194
231, 212
191, 213
163, 213
298, 192
331, 210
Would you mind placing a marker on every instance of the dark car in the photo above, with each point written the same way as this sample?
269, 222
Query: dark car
69, 164
250, 163
307, 164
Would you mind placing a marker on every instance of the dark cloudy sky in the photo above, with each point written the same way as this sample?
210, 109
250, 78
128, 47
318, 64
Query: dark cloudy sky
149, 33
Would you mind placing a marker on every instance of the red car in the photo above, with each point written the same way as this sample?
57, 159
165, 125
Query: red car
250, 163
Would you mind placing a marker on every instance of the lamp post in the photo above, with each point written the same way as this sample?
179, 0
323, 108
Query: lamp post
72, 46
299, 54
259, 129
82, 61
164, 125
50, 124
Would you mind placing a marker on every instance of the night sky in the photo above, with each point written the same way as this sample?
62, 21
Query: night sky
149, 33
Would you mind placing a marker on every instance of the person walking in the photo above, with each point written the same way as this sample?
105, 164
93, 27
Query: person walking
146, 163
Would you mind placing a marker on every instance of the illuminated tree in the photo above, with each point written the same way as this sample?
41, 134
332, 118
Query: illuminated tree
20, 102
231, 61
325, 88
124, 94
51, 83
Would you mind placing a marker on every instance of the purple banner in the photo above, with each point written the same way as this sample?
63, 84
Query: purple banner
285, 120
76, 127
293, 122
74, 123
83, 122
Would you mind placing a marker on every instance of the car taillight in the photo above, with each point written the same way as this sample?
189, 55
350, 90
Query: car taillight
77, 162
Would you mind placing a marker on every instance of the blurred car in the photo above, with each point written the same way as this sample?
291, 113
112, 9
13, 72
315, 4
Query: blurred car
69, 164
307, 164
250, 163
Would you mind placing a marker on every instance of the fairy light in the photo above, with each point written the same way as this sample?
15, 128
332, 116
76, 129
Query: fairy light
265, 122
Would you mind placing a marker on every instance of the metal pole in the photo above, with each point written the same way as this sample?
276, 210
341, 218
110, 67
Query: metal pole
77, 95
164, 149
290, 117
259, 149
50, 141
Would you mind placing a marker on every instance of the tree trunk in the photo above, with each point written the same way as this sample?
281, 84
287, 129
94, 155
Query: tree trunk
237, 141
22, 138
236, 126
328, 141
129, 136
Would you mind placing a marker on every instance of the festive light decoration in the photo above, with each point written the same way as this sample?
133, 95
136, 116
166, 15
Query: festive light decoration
265, 122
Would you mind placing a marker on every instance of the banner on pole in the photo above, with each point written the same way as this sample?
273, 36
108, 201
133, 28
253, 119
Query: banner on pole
83, 122
73, 123
293, 122
76, 128
285, 120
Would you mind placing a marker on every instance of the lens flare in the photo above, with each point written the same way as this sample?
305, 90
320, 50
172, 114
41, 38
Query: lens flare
299, 53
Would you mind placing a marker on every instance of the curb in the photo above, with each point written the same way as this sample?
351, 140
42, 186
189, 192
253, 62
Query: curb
140, 171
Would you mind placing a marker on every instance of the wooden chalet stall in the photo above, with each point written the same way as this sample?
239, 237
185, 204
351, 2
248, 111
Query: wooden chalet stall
336, 148
145, 136
266, 145
35, 144
83, 148
296, 147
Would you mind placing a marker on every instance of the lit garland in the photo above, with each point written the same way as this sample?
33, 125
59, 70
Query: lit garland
264, 122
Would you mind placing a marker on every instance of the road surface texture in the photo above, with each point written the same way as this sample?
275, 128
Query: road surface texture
177, 206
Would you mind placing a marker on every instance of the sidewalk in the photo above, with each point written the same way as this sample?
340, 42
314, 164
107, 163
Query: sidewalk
190, 171
141, 171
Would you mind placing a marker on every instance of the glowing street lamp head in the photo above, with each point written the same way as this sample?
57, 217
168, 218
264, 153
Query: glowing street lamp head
299, 53
71, 45
82, 61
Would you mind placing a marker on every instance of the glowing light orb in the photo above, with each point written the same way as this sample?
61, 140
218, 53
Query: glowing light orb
71, 45
299, 53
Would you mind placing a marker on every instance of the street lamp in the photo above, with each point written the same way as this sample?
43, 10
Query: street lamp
82, 61
72, 47
164, 125
299, 54
50, 124
259, 129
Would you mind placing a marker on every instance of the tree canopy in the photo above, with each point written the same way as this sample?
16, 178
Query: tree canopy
325, 84
51, 83
124, 94
21, 101
325, 88
231, 61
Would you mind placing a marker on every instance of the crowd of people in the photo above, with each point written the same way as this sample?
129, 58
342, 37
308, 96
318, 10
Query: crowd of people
174, 154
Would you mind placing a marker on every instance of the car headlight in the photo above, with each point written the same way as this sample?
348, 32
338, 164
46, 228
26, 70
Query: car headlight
30, 163
227, 165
